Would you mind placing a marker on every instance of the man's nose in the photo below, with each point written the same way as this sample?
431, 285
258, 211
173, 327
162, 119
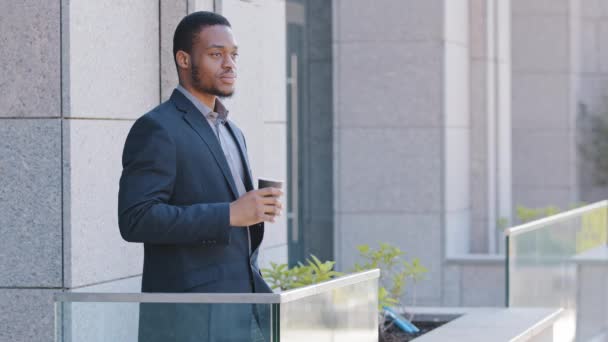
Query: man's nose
229, 63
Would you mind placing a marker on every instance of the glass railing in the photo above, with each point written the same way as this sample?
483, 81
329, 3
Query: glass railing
342, 309
562, 261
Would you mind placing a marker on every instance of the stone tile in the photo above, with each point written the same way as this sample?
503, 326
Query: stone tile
538, 43
200, 5
478, 240
402, 20
483, 285
590, 47
389, 170
504, 29
525, 7
30, 86
27, 315
385, 94
540, 197
590, 8
478, 28
535, 165
419, 236
30, 203
457, 169
93, 163
481, 96
171, 12
457, 228
456, 25
125, 67
397, 142
603, 9
479, 187
128, 285
456, 86
541, 101
451, 285
602, 45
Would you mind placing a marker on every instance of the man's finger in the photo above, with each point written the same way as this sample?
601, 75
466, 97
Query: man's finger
270, 209
271, 192
271, 201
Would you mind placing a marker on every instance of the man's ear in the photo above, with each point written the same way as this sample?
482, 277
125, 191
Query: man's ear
183, 59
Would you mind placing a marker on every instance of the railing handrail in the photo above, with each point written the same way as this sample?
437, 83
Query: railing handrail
244, 298
536, 224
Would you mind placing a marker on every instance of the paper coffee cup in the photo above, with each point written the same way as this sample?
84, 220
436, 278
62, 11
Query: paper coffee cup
269, 183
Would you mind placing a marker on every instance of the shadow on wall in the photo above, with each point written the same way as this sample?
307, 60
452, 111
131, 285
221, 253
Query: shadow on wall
592, 144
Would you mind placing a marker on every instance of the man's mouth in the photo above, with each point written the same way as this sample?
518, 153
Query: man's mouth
230, 79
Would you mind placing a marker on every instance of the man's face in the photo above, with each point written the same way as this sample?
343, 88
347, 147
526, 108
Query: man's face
213, 67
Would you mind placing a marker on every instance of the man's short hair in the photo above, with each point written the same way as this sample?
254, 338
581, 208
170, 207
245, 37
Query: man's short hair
190, 26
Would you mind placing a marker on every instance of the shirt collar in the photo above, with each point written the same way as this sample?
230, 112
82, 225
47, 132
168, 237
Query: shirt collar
220, 111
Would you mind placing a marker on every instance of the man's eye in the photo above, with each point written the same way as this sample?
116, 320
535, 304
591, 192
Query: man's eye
216, 54
235, 55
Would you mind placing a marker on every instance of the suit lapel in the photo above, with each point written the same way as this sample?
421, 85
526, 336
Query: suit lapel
197, 121
243, 153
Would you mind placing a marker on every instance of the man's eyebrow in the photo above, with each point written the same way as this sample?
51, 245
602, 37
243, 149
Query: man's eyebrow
217, 46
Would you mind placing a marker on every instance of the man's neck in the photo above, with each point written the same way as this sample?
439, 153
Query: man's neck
207, 99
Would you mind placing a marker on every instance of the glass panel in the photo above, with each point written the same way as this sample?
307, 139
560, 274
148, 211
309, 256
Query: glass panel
152, 322
563, 262
310, 137
343, 309
348, 314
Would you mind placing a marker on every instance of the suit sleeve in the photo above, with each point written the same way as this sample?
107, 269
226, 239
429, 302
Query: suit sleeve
146, 185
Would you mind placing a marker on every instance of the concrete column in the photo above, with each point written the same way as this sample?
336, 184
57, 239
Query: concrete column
78, 74
490, 171
108, 84
30, 165
401, 130
544, 43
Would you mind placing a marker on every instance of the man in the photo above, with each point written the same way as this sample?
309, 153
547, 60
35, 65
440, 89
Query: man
186, 192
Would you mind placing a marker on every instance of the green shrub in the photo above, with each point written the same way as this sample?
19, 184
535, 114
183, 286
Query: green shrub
395, 272
282, 277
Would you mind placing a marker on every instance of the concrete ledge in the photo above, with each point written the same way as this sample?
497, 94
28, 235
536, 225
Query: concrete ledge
476, 259
491, 324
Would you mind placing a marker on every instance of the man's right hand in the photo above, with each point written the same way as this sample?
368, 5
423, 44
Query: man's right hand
256, 206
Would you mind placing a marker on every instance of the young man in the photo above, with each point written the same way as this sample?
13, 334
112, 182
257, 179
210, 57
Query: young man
186, 191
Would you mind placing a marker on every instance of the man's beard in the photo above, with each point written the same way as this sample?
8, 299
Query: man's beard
197, 84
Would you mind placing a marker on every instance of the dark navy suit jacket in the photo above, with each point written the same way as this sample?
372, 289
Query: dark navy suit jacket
174, 197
